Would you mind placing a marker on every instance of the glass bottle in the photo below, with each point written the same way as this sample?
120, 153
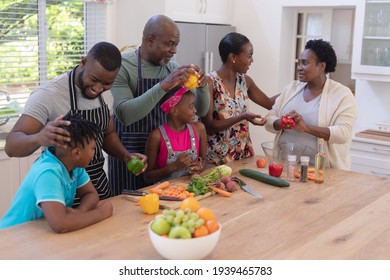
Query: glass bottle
304, 168
319, 163
292, 162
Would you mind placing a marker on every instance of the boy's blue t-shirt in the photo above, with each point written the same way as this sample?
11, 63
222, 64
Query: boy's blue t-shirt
47, 180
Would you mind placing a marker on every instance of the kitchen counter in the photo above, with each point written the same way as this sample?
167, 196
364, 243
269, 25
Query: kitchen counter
347, 217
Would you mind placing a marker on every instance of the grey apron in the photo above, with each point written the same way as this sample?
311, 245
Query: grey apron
134, 137
172, 155
101, 117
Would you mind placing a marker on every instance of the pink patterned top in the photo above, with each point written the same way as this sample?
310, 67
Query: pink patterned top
233, 143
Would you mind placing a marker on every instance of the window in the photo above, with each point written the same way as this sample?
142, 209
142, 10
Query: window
40, 39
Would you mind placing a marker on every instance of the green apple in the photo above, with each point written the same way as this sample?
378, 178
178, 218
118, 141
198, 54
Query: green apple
179, 232
160, 226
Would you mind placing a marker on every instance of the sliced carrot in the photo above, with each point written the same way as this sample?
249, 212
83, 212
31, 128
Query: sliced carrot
162, 185
220, 192
156, 190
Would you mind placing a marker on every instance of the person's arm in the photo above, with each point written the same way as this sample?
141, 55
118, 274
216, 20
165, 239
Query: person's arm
62, 220
212, 125
202, 101
129, 109
258, 96
152, 148
199, 164
112, 144
28, 134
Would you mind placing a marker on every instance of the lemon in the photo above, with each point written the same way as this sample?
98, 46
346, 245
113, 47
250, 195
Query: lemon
192, 82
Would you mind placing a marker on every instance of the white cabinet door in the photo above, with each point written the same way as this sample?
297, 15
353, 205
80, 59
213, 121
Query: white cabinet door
217, 11
371, 58
341, 38
200, 11
372, 157
9, 174
184, 10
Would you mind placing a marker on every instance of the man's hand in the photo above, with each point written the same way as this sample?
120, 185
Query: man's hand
52, 134
179, 76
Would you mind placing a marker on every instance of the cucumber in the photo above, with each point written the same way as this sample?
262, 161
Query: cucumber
265, 178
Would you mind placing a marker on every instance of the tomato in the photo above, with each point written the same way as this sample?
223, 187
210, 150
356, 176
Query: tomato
287, 122
261, 163
275, 169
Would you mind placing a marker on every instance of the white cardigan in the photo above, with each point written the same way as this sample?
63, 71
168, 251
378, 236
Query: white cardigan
338, 111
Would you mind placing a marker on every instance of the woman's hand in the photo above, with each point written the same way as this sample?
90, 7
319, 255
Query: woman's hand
300, 124
255, 118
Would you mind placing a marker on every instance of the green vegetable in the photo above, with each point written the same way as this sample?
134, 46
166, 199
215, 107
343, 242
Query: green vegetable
135, 165
265, 178
199, 183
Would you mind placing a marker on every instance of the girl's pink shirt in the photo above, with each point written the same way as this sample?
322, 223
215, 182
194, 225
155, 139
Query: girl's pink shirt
180, 141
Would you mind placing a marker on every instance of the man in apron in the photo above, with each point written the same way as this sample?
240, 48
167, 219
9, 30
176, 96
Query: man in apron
84, 90
146, 74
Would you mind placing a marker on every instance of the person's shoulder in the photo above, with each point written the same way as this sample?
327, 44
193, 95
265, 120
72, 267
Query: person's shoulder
335, 86
172, 65
130, 54
54, 86
199, 126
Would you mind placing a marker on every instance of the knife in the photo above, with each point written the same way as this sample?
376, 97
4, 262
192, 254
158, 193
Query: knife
139, 193
246, 188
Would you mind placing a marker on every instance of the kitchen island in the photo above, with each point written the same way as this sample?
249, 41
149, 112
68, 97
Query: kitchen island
346, 217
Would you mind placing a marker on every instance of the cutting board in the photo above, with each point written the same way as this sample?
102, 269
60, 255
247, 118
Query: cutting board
166, 204
374, 134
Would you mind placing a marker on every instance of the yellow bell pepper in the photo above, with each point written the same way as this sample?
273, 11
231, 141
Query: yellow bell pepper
150, 203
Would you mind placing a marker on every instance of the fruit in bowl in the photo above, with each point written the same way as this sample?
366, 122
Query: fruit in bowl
194, 228
184, 248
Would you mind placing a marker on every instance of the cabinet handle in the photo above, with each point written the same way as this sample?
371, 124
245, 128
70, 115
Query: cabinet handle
205, 7
211, 59
200, 6
207, 62
380, 150
380, 173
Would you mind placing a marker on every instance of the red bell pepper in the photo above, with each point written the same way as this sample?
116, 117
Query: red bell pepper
287, 122
275, 169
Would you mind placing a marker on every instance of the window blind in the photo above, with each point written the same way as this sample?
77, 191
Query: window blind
41, 39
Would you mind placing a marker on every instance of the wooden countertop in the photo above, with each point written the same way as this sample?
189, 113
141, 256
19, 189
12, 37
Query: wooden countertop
347, 217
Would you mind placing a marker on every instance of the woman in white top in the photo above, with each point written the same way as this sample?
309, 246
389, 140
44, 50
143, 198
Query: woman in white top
321, 107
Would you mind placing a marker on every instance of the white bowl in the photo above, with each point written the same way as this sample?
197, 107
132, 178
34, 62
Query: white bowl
184, 249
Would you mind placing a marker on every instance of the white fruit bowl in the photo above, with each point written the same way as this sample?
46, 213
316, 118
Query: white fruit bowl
184, 249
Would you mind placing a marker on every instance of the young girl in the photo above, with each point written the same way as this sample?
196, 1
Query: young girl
178, 147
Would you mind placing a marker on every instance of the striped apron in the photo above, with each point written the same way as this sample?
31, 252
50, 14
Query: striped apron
101, 117
134, 137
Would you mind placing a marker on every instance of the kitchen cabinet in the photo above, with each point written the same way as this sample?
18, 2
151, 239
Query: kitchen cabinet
202, 11
371, 60
341, 36
12, 172
370, 156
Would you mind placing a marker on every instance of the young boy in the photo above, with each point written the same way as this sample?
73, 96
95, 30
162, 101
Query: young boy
49, 188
